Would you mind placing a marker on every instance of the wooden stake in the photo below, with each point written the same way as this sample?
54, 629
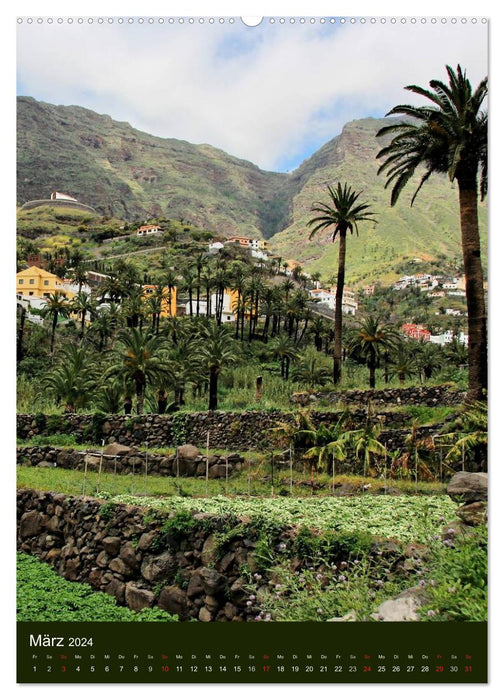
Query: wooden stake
85, 475
207, 458
100, 469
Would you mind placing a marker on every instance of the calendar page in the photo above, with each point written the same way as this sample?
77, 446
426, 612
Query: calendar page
251, 293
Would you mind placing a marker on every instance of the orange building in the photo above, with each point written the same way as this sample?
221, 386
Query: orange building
169, 302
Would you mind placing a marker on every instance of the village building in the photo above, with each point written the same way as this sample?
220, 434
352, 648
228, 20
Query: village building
416, 332
168, 302
36, 282
149, 230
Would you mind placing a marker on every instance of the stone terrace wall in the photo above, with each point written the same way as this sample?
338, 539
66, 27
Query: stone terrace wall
425, 395
188, 462
228, 430
113, 549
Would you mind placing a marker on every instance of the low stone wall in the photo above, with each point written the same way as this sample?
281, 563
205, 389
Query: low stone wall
142, 565
226, 430
442, 395
186, 461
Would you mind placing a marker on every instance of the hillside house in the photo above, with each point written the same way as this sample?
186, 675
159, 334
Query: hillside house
35, 282
59, 195
416, 332
149, 230
169, 302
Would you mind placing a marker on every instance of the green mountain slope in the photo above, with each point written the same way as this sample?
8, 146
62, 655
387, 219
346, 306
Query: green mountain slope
427, 230
126, 173
129, 174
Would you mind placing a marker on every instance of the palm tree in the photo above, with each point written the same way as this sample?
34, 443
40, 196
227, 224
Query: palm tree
73, 380
79, 276
449, 136
402, 361
309, 373
343, 214
140, 360
82, 304
285, 350
372, 337
56, 305
217, 351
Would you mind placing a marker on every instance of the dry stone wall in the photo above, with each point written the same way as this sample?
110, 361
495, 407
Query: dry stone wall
125, 552
247, 430
187, 460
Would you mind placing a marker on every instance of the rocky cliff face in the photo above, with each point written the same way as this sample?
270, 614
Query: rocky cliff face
121, 171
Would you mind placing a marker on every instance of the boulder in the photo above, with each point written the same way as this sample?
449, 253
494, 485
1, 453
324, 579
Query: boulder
159, 568
111, 545
186, 460
213, 583
195, 586
174, 600
31, 524
116, 449
403, 608
138, 598
467, 487
473, 513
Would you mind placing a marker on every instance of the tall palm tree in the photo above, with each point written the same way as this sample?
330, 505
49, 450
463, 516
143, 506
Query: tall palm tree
140, 360
56, 305
73, 380
342, 213
449, 136
284, 349
217, 351
372, 337
82, 304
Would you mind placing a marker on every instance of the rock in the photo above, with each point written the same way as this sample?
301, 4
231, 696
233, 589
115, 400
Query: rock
116, 449
205, 615
237, 593
102, 559
119, 567
138, 598
212, 603
349, 617
208, 551
30, 524
146, 540
214, 584
116, 589
195, 586
158, 568
186, 460
127, 554
403, 608
473, 513
467, 487
174, 600
230, 611
111, 545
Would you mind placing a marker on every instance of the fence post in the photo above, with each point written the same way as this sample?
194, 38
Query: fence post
227, 473
290, 467
146, 448
207, 457
100, 468
85, 475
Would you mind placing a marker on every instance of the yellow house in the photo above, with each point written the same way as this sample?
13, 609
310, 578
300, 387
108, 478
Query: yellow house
35, 282
168, 305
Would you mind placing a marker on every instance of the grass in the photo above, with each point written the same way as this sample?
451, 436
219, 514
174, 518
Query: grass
255, 481
43, 596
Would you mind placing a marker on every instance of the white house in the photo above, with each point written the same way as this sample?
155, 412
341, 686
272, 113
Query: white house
149, 230
60, 195
447, 337
215, 247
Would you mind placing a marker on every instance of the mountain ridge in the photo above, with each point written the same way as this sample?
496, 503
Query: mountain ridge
130, 174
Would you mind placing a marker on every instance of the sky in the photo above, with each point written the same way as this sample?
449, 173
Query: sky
271, 94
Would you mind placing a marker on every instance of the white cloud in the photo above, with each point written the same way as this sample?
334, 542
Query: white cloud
260, 94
